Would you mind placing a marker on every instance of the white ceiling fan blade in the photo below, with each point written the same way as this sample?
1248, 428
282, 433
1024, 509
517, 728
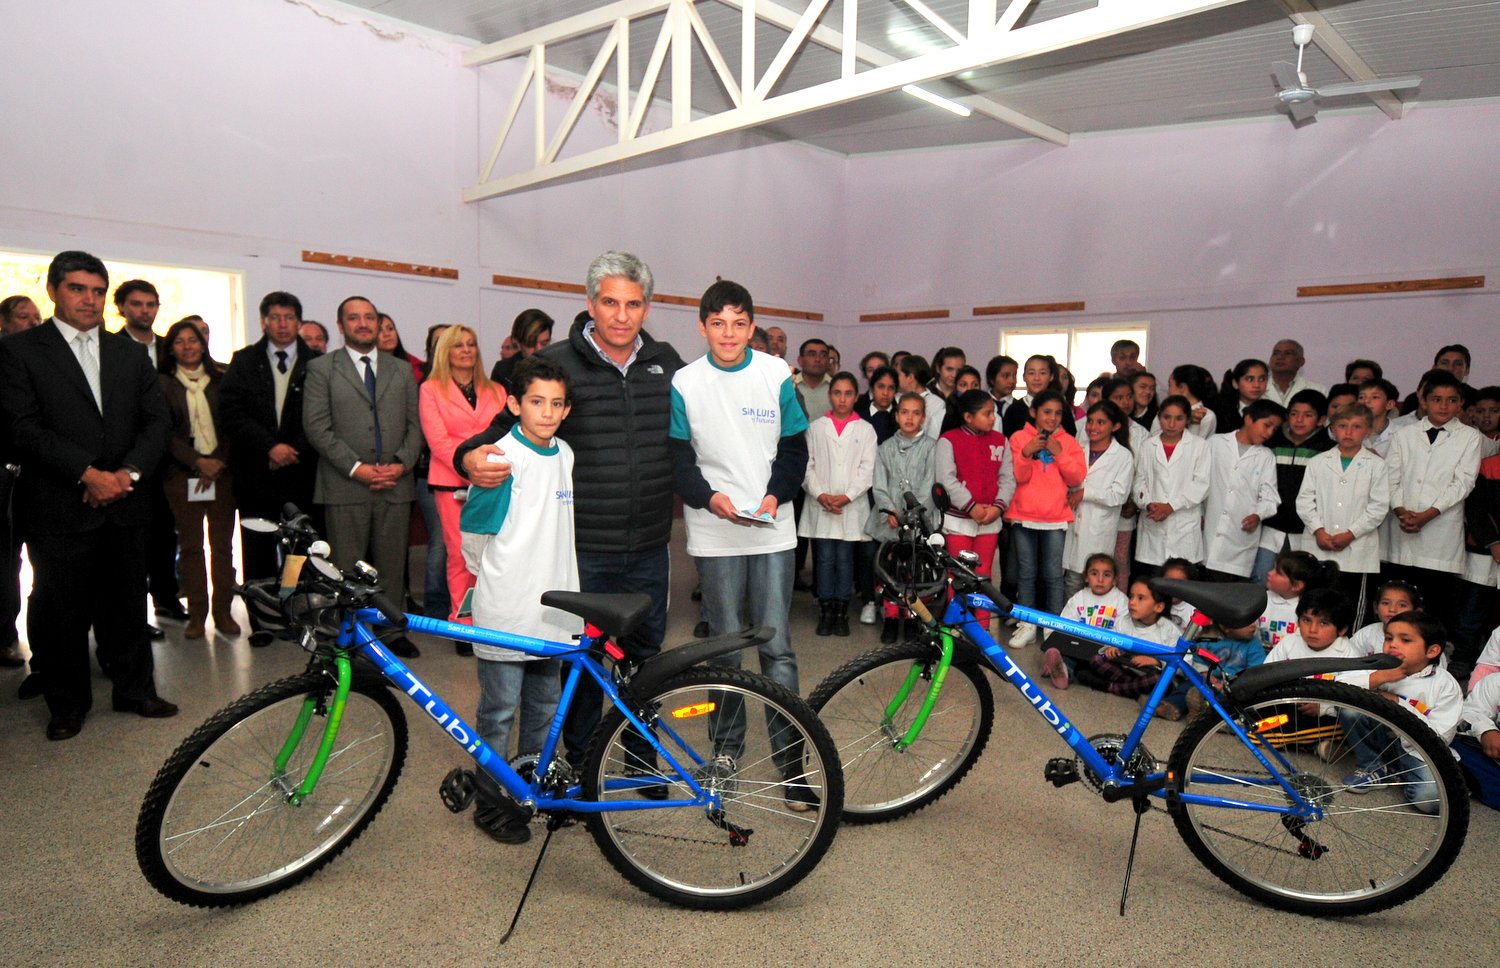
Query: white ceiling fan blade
1286, 75
1302, 110
1369, 87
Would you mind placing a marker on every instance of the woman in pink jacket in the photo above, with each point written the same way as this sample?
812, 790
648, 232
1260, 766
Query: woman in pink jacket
457, 401
1047, 464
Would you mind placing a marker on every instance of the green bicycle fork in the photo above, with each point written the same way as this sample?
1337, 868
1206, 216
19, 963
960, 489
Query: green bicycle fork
945, 659
325, 746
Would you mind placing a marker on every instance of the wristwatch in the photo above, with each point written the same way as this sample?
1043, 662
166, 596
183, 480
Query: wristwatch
135, 475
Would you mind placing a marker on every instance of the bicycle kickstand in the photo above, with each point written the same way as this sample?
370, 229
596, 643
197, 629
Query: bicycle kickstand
1141, 805
515, 919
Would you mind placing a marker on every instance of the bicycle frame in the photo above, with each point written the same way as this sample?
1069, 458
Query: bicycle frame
959, 613
356, 638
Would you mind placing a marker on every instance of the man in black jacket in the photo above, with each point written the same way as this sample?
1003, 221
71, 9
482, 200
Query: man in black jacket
88, 422
620, 386
260, 407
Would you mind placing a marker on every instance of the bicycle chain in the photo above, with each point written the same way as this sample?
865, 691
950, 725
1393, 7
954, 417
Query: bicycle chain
676, 837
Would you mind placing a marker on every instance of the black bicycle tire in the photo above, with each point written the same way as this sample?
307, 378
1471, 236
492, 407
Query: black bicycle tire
151, 837
1338, 828
784, 875
903, 654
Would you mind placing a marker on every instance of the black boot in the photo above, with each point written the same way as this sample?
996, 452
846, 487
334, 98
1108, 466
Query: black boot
841, 617
888, 632
825, 617
495, 813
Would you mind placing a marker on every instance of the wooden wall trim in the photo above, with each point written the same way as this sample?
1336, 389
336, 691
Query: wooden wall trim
378, 265
548, 285
899, 317
1023, 308
1395, 286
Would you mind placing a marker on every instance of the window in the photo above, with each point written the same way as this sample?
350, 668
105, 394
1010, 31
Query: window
1084, 350
216, 296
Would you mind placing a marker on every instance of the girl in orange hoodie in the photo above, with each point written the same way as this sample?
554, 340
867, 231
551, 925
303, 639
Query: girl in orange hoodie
1047, 463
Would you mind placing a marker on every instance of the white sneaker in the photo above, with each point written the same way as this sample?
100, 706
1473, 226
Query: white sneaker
1024, 635
867, 614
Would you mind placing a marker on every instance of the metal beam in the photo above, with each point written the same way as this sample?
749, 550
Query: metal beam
1084, 26
985, 104
1332, 43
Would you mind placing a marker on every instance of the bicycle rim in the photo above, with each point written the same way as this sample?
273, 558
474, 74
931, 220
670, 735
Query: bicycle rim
759, 749
1367, 852
882, 781
228, 832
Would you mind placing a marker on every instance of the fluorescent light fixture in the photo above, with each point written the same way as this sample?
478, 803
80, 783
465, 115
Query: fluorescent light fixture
923, 94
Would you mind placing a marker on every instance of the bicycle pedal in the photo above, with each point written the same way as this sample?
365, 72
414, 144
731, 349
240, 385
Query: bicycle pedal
1061, 771
458, 789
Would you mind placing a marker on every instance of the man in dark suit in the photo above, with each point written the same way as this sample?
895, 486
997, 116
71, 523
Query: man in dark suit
88, 422
260, 408
360, 414
138, 302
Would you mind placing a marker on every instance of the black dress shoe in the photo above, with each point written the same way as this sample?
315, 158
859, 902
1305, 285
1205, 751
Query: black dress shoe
172, 610
260, 638
404, 647
31, 687
64, 726
156, 634
152, 707
11, 656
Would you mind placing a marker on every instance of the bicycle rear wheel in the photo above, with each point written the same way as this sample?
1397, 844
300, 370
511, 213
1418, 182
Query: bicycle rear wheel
882, 782
750, 741
1377, 844
216, 827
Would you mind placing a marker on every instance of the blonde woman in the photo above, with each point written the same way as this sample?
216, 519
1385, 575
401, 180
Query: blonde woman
457, 402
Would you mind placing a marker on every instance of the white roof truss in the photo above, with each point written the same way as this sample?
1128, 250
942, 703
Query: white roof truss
991, 36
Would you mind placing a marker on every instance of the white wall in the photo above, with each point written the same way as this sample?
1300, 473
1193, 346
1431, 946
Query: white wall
233, 135
1203, 232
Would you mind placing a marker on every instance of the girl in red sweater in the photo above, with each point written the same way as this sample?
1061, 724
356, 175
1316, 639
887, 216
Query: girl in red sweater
969, 462
1047, 463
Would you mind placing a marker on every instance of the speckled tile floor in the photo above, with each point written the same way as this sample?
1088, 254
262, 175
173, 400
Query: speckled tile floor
1004, 870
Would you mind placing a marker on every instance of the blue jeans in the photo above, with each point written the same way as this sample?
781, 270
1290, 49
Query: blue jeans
739, 592
833, 566
648, 572
436, 602
1265, 560
533, 686
1039, 555
1376, 750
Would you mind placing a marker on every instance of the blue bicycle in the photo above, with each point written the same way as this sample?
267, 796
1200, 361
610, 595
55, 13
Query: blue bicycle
1252, 784
684, 792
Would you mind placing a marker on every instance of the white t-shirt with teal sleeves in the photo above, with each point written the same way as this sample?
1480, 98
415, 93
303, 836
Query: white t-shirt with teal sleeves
735, 419
520, 535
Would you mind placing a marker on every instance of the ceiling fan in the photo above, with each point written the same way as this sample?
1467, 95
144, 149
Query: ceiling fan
1302, 100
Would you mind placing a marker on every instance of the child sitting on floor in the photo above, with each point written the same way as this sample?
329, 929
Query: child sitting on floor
1238, 650
1422, 686
1101, 605
1112, 670
1391, 599
1322, 621
1294, 573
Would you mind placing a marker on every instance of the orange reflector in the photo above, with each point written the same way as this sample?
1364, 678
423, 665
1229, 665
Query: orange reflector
696, 709
1270, 723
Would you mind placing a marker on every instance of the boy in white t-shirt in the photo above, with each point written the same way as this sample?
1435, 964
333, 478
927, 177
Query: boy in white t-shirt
1421, 685
739, 455
518, 541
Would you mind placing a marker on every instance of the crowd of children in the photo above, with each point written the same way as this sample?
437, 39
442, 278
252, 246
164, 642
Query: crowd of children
1337, 504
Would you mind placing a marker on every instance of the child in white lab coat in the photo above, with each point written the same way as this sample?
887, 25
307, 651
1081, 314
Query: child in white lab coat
1172, 473
1106, 488
1241, 493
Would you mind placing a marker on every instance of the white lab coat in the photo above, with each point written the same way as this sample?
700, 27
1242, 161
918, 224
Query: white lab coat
1181, 482
1339, 500
1097, 519
838, 463
1439, 474
1240, 485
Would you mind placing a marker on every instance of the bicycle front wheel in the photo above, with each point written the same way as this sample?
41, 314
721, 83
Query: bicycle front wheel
217, 826
1384, 836
882, 779
754, 744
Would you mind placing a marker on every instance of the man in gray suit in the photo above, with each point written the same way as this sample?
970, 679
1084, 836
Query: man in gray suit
360, 413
